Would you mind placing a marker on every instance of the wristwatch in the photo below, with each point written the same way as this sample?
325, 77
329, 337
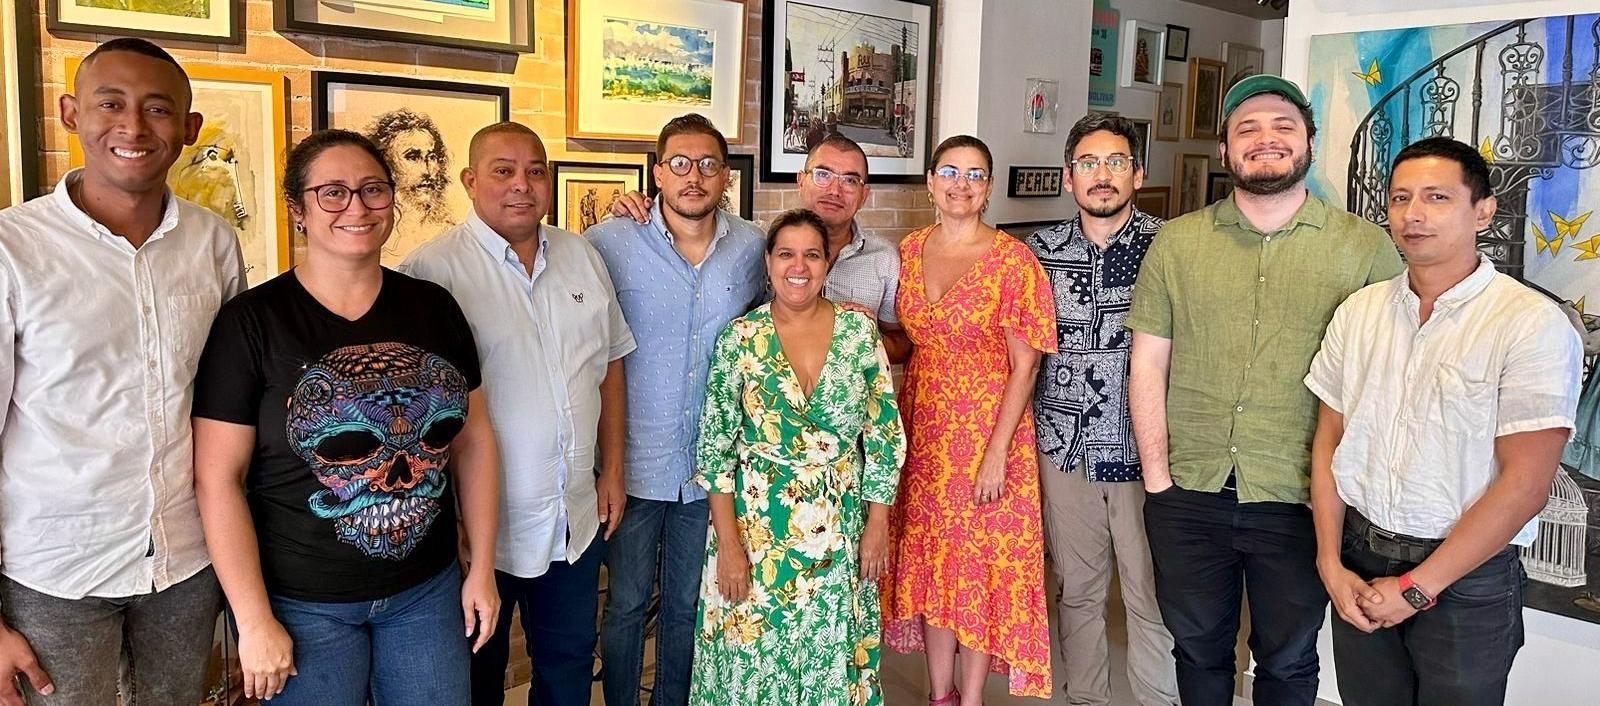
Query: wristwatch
1414, 595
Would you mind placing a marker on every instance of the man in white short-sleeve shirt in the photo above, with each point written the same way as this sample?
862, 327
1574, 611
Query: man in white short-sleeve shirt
1447, 395
550, 338
107, 291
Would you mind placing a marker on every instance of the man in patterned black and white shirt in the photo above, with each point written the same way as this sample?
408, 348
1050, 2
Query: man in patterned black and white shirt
1088, 462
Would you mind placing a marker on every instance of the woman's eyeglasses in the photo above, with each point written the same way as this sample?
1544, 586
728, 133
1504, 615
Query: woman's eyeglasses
335, 198
950, 173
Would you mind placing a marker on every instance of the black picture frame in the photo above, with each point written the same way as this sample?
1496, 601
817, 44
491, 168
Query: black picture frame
742, 164
1034, 182
285, 19
778, 165
1218, 186
28, 100
1179, 35
559, 206
235, 36
321, 80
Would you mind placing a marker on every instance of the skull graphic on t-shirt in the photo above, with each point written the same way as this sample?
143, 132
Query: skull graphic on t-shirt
374, 422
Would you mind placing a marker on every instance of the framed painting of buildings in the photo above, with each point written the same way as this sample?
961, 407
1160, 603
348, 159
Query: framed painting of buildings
232, 169
631, 67
19, 106
424, 127
209, 21
496, 25
584, 191
737, 198
861, 68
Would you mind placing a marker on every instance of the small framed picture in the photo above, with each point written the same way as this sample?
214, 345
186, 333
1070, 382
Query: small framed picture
1143, 127
584, 191
739, 196
1192, 175
206, 21
1154, 200
1034, 182
1169, 112
1205, 99
1218, 186
1242, 61
1039, 115
1177, 43
1141, 66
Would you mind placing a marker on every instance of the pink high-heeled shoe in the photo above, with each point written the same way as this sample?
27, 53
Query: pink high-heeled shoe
954, 697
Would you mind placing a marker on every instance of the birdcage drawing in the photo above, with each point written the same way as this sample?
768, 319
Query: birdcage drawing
1556, 557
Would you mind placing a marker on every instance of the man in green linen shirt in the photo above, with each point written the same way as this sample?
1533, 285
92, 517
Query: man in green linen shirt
1228, 310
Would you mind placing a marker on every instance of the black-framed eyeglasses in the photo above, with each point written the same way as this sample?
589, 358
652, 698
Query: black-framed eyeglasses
680, 165
976, 175
335, 198
824, 178
1116, 163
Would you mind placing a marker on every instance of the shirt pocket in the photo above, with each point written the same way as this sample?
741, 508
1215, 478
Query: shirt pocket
188, 324
1466, 403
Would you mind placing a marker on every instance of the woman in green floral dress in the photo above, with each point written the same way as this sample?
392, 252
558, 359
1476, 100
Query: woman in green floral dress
798, 389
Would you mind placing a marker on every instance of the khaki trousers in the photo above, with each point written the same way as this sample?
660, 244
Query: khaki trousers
1088, 524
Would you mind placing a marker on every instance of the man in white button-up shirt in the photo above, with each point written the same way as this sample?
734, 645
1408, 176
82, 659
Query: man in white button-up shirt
1447, 396
107, 291
551, 338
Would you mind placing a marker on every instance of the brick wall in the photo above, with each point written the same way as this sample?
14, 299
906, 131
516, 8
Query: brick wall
538, 94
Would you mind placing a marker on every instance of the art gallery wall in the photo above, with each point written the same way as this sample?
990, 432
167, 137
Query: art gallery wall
1208, 29
1557, 664
538, 95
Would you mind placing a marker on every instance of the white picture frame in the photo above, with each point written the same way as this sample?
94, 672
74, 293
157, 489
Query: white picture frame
1142, 65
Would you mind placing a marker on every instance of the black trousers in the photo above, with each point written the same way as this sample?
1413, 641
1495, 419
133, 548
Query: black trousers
1457, 653
1210, 550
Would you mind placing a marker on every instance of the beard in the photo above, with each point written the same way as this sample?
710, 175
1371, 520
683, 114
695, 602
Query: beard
1269, 184
709, 208
1118, 203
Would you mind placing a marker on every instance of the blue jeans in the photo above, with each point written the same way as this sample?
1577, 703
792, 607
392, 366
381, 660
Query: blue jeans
1208, 550
1457, 653
558, 611
656, 537
405, 650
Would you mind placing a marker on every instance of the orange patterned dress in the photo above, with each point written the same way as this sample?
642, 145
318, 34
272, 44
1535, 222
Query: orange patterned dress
976, 570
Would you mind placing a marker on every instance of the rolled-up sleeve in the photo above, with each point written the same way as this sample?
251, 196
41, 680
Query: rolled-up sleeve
1541, 377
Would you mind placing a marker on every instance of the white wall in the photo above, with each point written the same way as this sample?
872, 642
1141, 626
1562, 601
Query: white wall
1560, 664
1208, 29
988, 50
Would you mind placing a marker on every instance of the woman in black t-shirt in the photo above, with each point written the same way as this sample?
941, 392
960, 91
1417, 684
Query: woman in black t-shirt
336, 412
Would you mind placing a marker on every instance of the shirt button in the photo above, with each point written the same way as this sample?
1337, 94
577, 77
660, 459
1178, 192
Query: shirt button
1240, 408
1247, 365
152, 365
1256, 322
1233, 449
1261, 279
1268, 238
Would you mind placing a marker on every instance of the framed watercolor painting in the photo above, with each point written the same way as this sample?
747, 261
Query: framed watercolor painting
1154, 200
424, 128
496, 25
1169, 112
1142, 65
209, 21
634, 66
584, 191
233, 168
862, 68
739, 196
1191, 178
1205, 99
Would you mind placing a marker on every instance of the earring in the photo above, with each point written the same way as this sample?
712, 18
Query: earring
300, 228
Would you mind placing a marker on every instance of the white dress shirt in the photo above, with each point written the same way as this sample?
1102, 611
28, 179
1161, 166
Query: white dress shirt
1423, 404
544, 342
98, 346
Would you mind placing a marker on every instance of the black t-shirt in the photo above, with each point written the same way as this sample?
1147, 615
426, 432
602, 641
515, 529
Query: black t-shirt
347, 485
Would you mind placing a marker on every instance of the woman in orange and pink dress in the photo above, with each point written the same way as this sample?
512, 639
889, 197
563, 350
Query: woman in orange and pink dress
968, 554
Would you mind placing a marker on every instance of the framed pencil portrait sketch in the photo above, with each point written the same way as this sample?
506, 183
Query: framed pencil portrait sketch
424, 128
209, 21
631, 67
861, 68
738, 197
584, 191
233, 168
496, 25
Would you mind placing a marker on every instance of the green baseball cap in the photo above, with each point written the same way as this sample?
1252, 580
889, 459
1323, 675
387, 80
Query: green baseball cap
1258, 84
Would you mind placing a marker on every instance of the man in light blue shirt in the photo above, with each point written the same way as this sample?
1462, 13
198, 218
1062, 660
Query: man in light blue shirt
551, 338
681, 277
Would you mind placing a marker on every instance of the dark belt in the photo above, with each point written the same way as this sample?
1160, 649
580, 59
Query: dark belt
1389, 545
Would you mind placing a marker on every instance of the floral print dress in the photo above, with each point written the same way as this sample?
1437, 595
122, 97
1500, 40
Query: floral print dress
977, 570
808, 632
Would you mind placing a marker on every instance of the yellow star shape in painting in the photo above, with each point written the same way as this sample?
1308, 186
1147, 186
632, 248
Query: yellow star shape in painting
1566, 227
1540, 244
1590, 248
1579, 305
1487, 151
1372, 76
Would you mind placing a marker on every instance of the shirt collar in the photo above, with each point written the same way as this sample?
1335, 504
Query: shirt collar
1314, 213
499, 249
1457, 295
63, 200
858, 241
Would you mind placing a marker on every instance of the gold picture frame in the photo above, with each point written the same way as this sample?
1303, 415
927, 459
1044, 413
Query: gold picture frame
1206, 85
233, 169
